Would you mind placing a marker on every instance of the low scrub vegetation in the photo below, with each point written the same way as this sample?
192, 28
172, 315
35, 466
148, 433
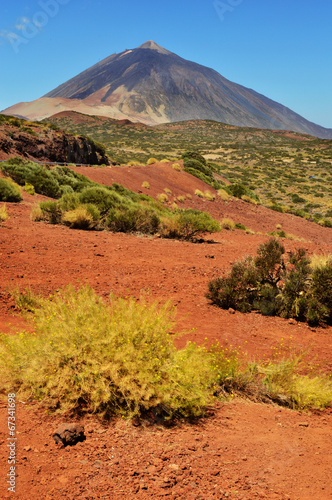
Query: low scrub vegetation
53, 183
275, 285
83, 204
118, 358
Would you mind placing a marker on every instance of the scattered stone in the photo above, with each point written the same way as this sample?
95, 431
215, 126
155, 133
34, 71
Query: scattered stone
69, 434
304, 424
292, 321
27, 448
231, 310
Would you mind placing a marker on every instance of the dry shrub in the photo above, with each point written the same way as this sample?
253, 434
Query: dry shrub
209, 196
79, 218
162, 197
223, 194
3, 213
228, 224
181, 199
37, 214
199, 193
248, 199
176, 167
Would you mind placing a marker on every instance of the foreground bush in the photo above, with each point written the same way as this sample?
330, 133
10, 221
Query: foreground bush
274, 285
120, 359
112, 360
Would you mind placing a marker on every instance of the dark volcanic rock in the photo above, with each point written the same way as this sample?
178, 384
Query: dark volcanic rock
45, 144
69, 434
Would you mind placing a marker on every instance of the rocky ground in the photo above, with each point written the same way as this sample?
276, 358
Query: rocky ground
241, 450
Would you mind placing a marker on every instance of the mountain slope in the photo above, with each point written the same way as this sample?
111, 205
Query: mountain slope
153, 85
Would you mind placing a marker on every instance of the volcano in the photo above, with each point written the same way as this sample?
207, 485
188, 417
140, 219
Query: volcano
152, 85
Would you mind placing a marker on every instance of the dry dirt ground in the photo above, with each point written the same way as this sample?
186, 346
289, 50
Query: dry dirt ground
241, 450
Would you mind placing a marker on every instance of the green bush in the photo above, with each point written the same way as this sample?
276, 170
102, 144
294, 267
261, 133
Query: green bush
188, 224
197, 165
275, 286
137, 218
239, 190
9, 192
103, 198
22, 172
194, 155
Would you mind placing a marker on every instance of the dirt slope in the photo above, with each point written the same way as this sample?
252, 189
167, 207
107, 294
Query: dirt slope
242, 451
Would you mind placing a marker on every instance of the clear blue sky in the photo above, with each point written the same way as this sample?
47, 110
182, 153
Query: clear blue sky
280, 48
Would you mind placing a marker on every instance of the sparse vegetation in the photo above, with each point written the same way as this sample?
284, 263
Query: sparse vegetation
146, 185
273, 164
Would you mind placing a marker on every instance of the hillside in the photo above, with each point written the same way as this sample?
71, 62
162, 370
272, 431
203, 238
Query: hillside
289, 171
242, 450
35, 141
153, 85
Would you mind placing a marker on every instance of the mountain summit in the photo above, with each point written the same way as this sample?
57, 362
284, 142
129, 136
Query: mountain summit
152, 85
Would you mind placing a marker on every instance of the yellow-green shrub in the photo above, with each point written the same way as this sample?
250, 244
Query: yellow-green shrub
80, 218
199, 193
151, 161
146, 185
209, 196
223, 194
162, 197
28, 188
228, 224
176, 167
117, 359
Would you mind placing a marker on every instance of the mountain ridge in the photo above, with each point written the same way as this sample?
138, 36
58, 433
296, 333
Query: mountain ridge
153, 85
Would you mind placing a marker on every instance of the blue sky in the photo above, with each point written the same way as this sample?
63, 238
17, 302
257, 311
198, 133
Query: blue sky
280, 48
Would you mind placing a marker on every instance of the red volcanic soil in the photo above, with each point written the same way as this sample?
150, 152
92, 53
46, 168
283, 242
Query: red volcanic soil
242, 450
